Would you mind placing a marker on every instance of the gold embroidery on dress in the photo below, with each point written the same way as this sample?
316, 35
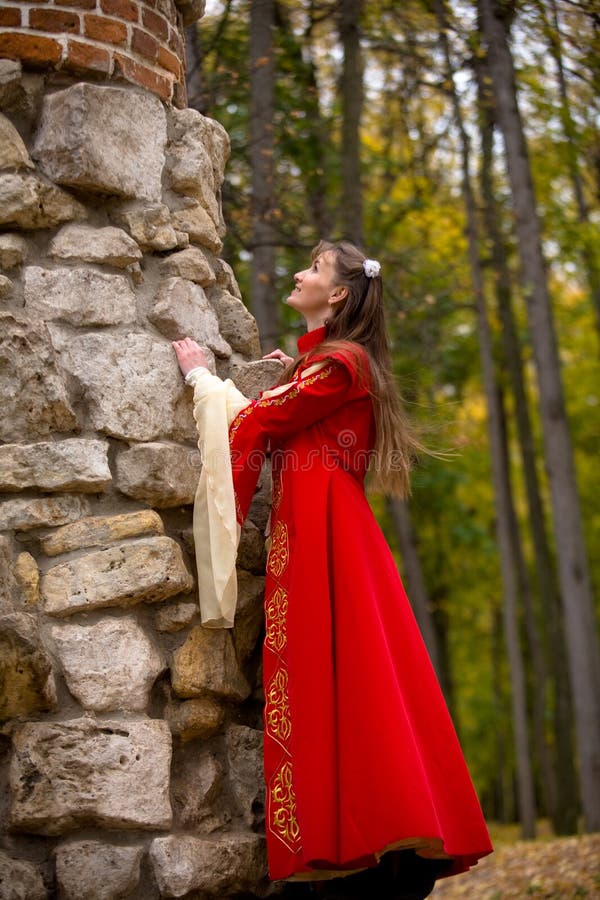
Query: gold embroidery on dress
279, 552
277, 492
277, 708
283, 808
276, 609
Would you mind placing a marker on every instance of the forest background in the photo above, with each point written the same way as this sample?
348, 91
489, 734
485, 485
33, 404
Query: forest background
459, 143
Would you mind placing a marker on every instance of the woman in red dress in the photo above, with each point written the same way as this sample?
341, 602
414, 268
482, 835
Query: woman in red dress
363, 768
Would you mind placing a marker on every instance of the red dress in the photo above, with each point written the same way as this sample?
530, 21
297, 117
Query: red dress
360, 753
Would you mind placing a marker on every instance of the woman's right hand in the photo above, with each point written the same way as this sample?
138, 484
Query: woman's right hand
279, 354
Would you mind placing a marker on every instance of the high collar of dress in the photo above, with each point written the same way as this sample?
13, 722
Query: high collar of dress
311, 339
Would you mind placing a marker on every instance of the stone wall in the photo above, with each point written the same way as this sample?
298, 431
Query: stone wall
139, 41
130, 736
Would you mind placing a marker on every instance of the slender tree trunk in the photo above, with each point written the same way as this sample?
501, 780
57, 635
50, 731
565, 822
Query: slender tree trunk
565, 804
415, 580
352, 101
584, 655
500, 469
263, 237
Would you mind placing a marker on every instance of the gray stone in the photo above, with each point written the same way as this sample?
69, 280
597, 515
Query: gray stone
225, 277
189, 164
36, 512
251, 551
193, 719
76, 464
197, 791
26, 677
149, 224
27, 577
131, 383
28, 201
217, 866
181, 309
236, 323
6, 286
20, 880
33, 392
94, 531
109, 246
145, 570
161, 475
190, 264
245, 754
188, 128
108, 666
13, 152
249, 615
93, 870
206, 664
80, 296
105, 139
13, 250
191, 10
199, 225
173, 617
254, 377
10, 79
77, 773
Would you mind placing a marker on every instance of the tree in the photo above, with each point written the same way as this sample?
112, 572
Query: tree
351, 91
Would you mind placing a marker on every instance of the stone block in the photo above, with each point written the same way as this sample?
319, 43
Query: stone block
6, 286
236, 323
28, 201
33, 392
110, 665
13, 152
13, 250
194, 719
75, 464
149, 224
199, 225
188, 128
27, 577
181, 309
217, 866
94, 531
245, 755
105, 139
80, 296
93, 870
206, 664
36, 512
249, 615
254, 377
173, 617
131, 383
197, 791
26, 677
161, 475
20, 880
78, 773
146, 570
190, 264
252, 554
107, 246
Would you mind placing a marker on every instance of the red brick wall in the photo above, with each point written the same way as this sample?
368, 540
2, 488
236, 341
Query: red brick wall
139, 41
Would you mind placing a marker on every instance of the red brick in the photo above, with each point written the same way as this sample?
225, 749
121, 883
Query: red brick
176, 43
32, 48
101, 28
155, 24
30, 1
54, 20
144, 44
169, 61
142, 75
80, 4
123, 9
83, 57
10, 17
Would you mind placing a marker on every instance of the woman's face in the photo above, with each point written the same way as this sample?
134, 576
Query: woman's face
315, 288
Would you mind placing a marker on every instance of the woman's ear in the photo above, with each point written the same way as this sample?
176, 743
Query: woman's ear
337, 294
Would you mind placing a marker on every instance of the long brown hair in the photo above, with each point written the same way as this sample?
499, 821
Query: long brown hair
359, 319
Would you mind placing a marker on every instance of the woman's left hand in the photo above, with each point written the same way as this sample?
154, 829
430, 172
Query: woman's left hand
189, 355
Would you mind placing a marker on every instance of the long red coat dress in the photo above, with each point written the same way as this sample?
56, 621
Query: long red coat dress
360, 753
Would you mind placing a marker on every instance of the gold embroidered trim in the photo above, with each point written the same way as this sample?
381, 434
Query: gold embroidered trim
277, 708
276, 609
277, 492
279, 553
283, 808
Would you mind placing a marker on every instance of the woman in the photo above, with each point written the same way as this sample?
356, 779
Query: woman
361, 758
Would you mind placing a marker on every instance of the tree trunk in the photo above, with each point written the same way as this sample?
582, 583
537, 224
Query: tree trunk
584, 655
415, 580
352, 101
564, 802
500, 469
263, 238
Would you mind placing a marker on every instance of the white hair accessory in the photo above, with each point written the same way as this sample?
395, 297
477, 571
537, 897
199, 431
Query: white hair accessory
371, 268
